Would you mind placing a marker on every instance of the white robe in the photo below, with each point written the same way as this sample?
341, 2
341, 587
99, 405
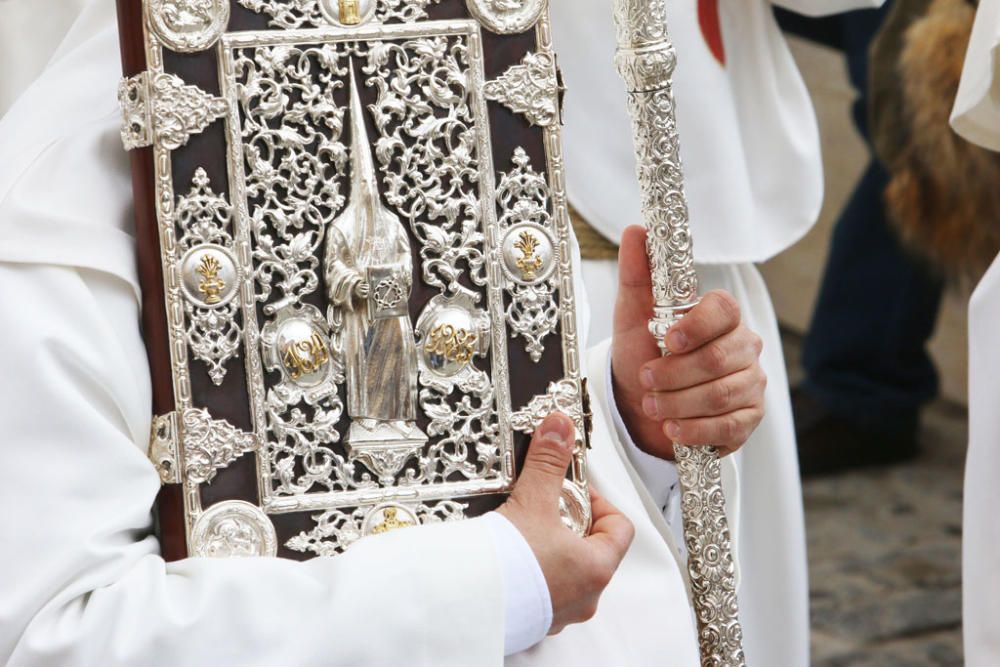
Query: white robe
83, 579
24, 56
754, 182
976, 116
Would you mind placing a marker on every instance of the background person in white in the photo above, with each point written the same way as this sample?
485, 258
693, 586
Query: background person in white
754, 181
976, 116
85, 582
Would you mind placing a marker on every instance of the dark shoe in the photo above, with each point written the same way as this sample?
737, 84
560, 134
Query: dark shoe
830, 444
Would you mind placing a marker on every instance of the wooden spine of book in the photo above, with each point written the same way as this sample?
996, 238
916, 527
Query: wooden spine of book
170, 504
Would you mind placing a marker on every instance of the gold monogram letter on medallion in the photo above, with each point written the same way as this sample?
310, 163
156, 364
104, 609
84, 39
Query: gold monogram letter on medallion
305, 357
457, 345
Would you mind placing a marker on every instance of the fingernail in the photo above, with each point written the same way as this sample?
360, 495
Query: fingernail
646, 378
649, 405
673, 430
677, 341
557, 430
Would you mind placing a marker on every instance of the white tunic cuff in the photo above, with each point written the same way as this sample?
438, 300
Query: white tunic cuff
527, 604
659, 476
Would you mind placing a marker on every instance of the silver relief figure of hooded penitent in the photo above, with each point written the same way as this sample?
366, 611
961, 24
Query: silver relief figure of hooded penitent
369, 271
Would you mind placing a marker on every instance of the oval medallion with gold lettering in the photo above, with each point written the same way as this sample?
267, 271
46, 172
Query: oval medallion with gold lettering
451, 332
304, 352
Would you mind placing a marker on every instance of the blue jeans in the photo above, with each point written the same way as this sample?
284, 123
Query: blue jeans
865, 355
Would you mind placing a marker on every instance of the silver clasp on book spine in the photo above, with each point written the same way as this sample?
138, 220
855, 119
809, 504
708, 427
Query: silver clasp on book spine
160, 108
191, 447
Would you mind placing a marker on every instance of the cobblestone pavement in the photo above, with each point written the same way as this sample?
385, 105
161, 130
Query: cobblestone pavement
885, 554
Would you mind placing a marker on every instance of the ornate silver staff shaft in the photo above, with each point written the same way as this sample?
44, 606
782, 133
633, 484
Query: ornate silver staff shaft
646, 60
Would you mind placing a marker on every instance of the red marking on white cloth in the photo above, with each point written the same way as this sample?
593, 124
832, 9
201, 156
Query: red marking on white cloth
711, 28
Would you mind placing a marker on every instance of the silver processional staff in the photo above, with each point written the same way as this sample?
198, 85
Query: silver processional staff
645, 59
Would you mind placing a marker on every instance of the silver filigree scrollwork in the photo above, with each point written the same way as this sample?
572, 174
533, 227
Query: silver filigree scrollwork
338, 529
529, 254
233, 529
531, 88
290, 133
564, 396
291, 165
646, 59
428, 151
320, 13
180, 110
188, 25
210, 276
507, 17
456, 396
289, 15
428, 145
210, 445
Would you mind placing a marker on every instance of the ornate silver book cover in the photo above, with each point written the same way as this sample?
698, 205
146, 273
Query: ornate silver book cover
366, 279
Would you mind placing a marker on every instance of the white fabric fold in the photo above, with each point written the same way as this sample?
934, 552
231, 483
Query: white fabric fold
659, 476
749, 139
88, 585
976, 116
28, 42
976, 113
527, 604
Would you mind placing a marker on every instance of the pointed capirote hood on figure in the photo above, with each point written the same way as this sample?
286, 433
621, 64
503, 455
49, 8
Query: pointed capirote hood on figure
364, 205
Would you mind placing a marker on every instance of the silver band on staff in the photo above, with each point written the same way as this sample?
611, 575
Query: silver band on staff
646, 59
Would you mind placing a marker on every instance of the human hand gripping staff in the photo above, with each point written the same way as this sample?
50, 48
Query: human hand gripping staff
646, 59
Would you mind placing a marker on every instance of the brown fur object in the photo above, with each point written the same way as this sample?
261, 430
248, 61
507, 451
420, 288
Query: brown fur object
944, 195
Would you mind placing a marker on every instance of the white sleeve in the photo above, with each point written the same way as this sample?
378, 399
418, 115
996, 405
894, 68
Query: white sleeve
659, 476
527, 604
83, 582
824, 7
976, 114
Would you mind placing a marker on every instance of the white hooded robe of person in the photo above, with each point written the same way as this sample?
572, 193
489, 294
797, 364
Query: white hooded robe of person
976, 116
754, 182
24, 56
83, 580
